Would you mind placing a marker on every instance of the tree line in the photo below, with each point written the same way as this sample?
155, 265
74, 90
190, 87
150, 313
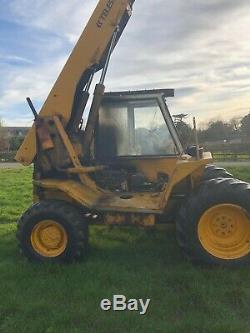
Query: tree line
215, 131
218, 130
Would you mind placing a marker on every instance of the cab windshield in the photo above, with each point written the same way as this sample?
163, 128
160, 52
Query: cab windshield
133, 128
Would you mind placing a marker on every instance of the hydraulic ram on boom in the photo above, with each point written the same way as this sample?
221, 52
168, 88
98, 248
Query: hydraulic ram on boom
69, 94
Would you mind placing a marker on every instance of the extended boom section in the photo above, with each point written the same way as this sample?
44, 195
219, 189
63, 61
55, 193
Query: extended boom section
87, 57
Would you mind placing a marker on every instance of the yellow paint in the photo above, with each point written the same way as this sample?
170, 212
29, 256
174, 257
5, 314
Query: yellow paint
72, 153
89, 195
49, 238
87, 52
95, 198
145, 220
82, 170
152, 167
114, 219
224, 231
184, 168
73, 190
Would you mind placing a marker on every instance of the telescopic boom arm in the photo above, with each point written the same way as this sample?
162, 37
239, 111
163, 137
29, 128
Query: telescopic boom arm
88, 57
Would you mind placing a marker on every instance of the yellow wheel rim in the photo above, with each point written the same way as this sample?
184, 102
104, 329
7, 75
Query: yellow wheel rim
49, 238
224, 231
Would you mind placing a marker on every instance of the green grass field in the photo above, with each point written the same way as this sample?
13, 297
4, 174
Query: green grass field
227, 156
136, 263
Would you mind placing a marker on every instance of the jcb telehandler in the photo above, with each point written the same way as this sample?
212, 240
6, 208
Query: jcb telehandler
126, 166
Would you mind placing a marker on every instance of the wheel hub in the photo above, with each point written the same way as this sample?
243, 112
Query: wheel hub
224, 231
224, 225
49, 238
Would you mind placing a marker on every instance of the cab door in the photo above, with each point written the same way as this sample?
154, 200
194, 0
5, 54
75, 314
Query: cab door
136, 135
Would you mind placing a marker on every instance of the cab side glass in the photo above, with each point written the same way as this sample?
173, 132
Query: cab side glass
133, 128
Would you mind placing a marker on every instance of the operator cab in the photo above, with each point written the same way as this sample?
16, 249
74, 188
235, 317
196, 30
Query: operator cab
136, 138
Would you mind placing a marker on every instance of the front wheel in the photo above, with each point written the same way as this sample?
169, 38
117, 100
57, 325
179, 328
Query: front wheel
213, 226
52, 231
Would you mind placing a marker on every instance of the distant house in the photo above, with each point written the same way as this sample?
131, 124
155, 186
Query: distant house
16, 131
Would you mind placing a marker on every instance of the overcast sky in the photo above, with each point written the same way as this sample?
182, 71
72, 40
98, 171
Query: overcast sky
199, 47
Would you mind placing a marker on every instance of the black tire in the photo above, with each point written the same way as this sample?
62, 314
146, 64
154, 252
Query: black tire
67, 216
209, 194
212, 171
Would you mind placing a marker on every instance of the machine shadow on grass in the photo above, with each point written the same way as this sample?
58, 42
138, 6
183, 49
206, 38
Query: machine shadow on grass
135, 246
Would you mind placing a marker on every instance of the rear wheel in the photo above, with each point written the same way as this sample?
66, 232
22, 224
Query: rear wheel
213, 226
52, 231
224, 231
212, 171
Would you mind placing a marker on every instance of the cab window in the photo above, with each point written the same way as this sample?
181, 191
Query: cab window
133, 128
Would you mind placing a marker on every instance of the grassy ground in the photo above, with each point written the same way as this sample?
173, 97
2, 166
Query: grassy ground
138, 264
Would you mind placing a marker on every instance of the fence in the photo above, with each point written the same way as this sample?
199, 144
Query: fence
7, 156
229, 151
225, 156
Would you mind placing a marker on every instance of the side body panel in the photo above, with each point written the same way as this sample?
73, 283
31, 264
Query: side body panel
156, 203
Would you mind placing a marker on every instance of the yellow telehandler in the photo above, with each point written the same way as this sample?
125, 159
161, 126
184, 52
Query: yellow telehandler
126, 166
